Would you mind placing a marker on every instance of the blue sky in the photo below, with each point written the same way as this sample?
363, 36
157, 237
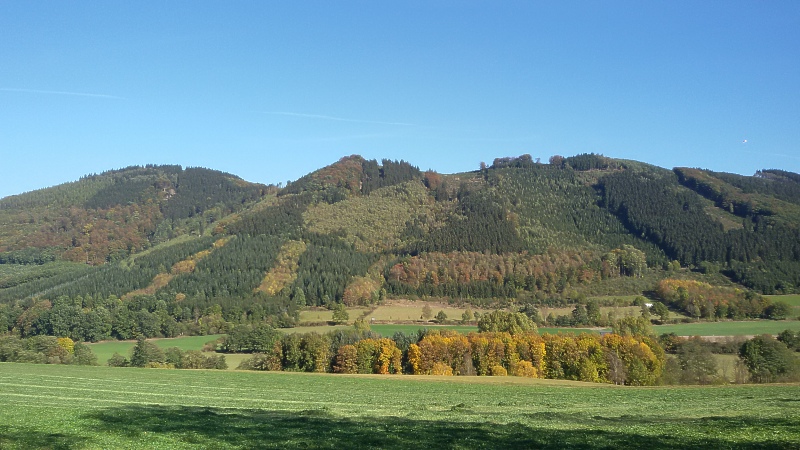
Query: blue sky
272, 91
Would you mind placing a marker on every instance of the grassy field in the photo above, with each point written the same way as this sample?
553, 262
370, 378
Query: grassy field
393, 310
792, 299
729, 328
413, 311
619, 311
105, 350
71, 407
389, 329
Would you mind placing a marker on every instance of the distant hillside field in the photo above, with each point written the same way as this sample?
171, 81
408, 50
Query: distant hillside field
747, 328
100, 407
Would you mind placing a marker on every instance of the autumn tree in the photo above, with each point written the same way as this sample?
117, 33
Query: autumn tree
427, 312
340, 314
504, 321
346, 361
467, 316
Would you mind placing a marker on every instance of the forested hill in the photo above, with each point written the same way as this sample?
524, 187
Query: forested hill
107, 217
186, 243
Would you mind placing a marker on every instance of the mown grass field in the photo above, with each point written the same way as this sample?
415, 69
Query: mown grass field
388, 330
413, 311
618, 311
747, 328
105, 350
791, 299
71, 407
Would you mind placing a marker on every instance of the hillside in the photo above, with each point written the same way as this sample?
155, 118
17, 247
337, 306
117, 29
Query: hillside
162, 250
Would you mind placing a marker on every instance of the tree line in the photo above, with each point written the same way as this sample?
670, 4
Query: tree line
587, 357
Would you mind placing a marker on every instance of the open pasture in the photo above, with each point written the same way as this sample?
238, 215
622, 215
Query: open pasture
745, 328
617, 311
400, 311
792, 299
72, 407
106, 349
387, 330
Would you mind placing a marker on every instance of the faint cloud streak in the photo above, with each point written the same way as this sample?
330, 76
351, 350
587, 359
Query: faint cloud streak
312, 140
77, 94
338, 119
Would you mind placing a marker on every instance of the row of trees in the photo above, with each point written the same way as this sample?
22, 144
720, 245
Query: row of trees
627, 356
702, 300
45, 350
354, 174
586, 357
621, 359
162, 315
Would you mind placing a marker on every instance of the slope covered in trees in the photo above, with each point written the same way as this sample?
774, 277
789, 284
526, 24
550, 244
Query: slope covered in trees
115, 248
106, 217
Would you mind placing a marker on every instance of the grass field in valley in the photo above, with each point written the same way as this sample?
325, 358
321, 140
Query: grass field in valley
746, 328
792, 299
106, 349
388, 330
66, 407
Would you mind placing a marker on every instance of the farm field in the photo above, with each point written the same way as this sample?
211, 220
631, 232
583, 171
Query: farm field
747, 328
791, 299
62, 407
619, 311
387, 330
405, 310
105, 350
325, 315
391, 311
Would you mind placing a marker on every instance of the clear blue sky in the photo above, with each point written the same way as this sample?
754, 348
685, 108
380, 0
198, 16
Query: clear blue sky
272, 91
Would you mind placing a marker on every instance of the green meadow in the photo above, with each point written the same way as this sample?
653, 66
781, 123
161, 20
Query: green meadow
792, 299
73, 407
745, 328
106, 349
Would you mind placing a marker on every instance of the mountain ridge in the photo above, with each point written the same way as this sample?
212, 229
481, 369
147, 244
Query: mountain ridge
517, 231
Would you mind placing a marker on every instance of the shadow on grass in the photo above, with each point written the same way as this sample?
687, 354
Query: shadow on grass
217, 427
29, 438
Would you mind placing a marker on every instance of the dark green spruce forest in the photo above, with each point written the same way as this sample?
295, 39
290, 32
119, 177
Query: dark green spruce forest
159, 251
